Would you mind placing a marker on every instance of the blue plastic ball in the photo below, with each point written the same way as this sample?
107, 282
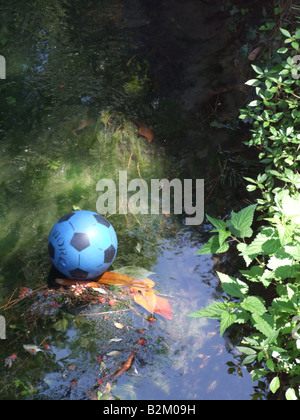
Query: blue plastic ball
82, 245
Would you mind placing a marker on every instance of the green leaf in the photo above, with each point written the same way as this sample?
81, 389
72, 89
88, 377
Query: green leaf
275, 262
254, 274
213, 311
253, 82
223, 235
240, 222
251, 188
285, 32
294, 251
242, 316
263, 244
264, 323
291, 395
227, 319
246, 350
242, 248
232, 286
257, 69
254, 103
287, 271
249, 359
218, 223
272, 338
291, 208
270, 365
283, 305
275, 384
254, 304
213, 247
282, 50
257, 374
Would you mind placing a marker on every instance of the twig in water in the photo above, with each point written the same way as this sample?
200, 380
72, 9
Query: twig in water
105, 313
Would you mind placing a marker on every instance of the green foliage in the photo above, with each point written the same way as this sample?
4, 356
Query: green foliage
272, 253
276, 121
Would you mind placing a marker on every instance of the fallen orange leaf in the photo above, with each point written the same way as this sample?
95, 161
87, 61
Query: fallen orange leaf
150, 283
144, 130
147, 300
125, 366
163, 308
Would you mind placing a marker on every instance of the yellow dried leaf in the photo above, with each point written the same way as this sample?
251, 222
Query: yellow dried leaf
118, 325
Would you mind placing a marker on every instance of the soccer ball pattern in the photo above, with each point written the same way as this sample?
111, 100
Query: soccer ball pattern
82, 245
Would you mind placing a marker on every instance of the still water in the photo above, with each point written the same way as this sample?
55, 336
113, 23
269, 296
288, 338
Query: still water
78, 76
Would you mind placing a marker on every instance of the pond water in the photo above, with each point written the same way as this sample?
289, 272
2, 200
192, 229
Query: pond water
78, 75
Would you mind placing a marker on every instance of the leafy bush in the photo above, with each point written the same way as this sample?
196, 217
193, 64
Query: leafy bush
272, 254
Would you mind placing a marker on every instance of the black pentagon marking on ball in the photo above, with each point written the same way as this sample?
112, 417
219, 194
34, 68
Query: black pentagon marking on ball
51, 250
80, 241
66, 217
109, 254
100, 219
78, 273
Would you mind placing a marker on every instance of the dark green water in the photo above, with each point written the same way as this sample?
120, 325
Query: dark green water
77, 73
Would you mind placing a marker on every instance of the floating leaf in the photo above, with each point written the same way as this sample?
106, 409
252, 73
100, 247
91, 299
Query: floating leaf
116, 279
113, 353
99, 290
125, 366
147, 300
115, 340
32, 348
163, 308
102, 366
118, 325
148, 282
